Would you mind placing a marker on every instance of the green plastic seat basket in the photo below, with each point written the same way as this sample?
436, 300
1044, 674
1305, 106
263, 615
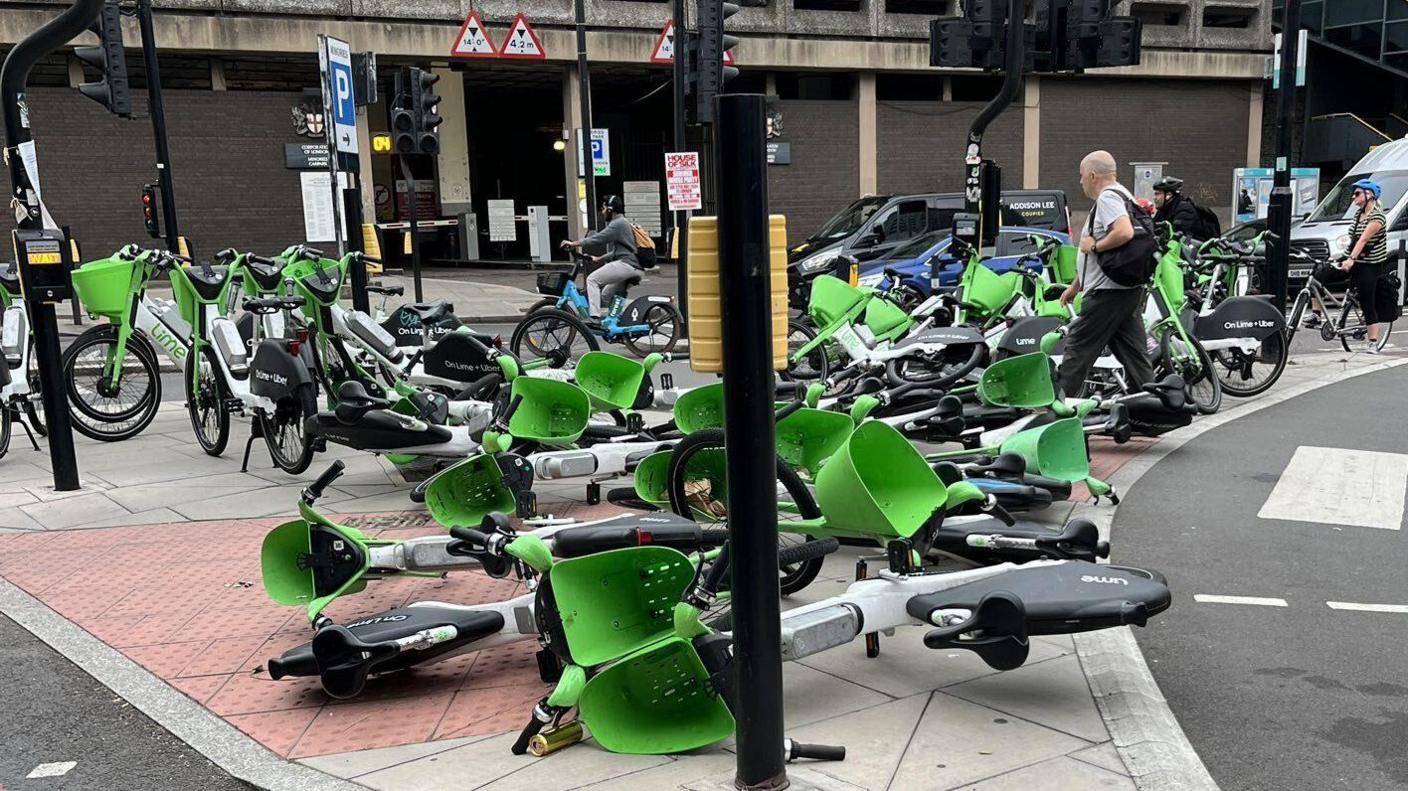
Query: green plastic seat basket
104, 286
699, 408
1063, 264
808, 437
288, 584
989, 290
615, 603
187, 302
461, 495
1023, 382
878, 485
610, 380
885, 319
1169, 276
652, 478
831, 299
1055, 450
658, 700
551, 413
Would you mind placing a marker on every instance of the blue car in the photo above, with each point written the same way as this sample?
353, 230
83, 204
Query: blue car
912, 258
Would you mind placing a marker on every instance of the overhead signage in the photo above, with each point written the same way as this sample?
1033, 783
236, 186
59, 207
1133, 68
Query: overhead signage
338, 92
664, 51
521, 42
473, 40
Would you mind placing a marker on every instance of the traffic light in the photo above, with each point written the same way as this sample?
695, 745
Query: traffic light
110, 60
403, 121
706, 69
149, 211
978, 39
1075, 35
427, 122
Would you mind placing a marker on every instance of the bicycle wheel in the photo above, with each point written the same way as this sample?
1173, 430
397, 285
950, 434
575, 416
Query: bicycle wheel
205, 401
6, 421
31, 411
791, 578
102, 412
1244, 375
1351, 326
664, 320
811, 368
1195, 365
545, 331
283, 431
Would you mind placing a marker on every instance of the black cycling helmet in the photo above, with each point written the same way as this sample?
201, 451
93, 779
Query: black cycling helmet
1169, 184
614, 203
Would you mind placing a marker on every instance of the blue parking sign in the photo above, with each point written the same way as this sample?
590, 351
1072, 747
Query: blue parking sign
340, 97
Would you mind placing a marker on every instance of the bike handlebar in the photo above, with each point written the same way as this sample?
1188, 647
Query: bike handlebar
816, 752
315, 489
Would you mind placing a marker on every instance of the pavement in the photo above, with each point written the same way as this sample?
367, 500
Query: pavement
152, 569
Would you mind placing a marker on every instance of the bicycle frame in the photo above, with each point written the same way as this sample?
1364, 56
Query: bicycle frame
574, 301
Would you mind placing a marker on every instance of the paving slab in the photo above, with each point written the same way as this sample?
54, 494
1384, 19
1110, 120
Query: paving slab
1053, 693
1056, 774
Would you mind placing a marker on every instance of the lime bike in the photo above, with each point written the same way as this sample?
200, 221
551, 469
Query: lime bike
19, 393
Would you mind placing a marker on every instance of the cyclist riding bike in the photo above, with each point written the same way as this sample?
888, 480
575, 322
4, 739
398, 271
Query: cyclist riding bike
618, 256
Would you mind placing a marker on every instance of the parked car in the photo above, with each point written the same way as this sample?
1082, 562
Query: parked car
913, 260
875, 227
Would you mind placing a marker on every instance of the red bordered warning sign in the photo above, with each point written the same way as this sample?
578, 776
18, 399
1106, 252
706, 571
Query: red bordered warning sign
664, 51
473, 40
521, 42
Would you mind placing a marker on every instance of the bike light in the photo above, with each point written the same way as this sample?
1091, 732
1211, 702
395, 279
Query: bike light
300, 337
644, 538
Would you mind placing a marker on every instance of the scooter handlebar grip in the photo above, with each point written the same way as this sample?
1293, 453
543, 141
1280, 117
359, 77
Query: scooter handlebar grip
529, 731
801, 553
469, 534
332, 473
817, 752
512, 407
713, 536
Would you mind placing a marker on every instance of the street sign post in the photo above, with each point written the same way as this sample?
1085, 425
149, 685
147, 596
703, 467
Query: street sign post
340, 102
601, 153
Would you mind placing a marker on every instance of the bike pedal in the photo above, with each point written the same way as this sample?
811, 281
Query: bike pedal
527, 504
549, 666
667, 381
593, 493
634, 423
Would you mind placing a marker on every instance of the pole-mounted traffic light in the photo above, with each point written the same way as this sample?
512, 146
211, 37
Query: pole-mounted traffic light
709, 55
150, 216
403, 122
427, 121
110, 60
1069, 36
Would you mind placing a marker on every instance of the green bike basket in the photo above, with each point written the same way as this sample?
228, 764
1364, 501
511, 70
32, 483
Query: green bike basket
104, 287
808, 437
1055, 450
878, 485
464, 493
652, 478
1169, 276
551, 413
612, 381
615, 603
1064, 264
831, 299
1023, 382
885, 319
987, 289
657, 700
701, 407
288, 583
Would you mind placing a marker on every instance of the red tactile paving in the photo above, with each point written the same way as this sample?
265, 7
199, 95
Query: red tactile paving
186, 602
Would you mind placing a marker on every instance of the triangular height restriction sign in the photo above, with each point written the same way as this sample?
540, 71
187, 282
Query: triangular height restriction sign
664, 51
473, 40
522, 42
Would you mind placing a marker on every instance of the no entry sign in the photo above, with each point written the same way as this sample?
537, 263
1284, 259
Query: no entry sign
682, 180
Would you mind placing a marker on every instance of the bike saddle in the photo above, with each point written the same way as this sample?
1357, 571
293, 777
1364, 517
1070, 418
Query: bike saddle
271, 304
207, 281
948, 472
996, 631
353, 402
1005, 465
893, 273
394, 291
1171, 390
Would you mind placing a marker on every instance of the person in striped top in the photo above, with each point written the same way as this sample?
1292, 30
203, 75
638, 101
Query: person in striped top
1368, 253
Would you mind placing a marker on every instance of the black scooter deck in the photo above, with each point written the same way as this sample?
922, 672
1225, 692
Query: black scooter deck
394, 625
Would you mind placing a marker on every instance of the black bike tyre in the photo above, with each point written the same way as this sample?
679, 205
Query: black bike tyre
1278, 367
146, 409
789, 582
1214, 402
1297, 314
676, 320
1385, 327
896, 371
6, 428
31, 412
823, 370
307, 406
213, 446
577, 325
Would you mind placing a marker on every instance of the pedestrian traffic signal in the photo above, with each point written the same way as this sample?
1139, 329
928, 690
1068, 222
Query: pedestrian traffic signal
403, 123
427, 121
149, 211
110, 60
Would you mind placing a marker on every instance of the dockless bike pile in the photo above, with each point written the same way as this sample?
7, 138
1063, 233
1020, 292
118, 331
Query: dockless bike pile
923, 425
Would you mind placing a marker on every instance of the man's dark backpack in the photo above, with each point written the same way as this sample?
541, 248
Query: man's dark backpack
1133, 263
1209, 227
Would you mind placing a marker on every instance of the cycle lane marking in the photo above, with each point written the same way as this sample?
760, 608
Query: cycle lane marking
1340, 486
1357, 607
1207, 598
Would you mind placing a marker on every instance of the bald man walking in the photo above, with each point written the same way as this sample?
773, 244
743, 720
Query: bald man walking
1111, 314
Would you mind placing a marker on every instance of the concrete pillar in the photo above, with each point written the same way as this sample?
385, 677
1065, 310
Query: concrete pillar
869, 142
571, 119
364, 159
770, 83
1031, 134
1254, 125
948, 89
217, 74
454, 144
75, 72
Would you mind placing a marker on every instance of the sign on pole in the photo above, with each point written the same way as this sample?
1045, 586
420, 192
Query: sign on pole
343, 103
664, 51
473, 40
682, 180
503, 226
601, 153
522, 42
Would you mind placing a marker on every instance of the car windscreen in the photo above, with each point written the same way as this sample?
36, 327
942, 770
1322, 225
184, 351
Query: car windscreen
848, 220
918, 245
1339, 204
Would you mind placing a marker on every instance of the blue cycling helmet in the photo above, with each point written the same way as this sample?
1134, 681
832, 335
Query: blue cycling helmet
1370, 186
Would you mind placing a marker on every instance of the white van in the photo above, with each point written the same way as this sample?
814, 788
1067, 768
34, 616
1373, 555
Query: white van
1326, 229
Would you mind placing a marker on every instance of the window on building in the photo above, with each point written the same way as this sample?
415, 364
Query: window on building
1228, 17
1158, 14
908, 87
794, 85
1347, 12
975, 88
932, 7
1365, 39
826, 5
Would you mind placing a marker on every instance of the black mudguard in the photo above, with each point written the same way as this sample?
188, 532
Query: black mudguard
635, 312
376, 430
1024, 336
404, 326
1148, 417
454, 357
1240, 317
275, 373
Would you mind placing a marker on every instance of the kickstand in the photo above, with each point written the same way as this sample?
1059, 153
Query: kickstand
255, 432
20, 419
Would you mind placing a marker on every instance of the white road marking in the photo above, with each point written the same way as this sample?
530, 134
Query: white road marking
58, 769
1349, 605
1339, 486
1264, 602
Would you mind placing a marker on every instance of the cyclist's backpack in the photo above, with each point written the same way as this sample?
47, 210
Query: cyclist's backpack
1386, 303
1133, 263
645, 247
1209, 227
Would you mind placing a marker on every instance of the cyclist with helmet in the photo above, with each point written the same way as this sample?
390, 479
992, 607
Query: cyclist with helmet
615, 244
1368, 253
1172, 206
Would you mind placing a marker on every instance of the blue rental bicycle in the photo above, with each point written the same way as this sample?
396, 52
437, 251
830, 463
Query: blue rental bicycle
563, 321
